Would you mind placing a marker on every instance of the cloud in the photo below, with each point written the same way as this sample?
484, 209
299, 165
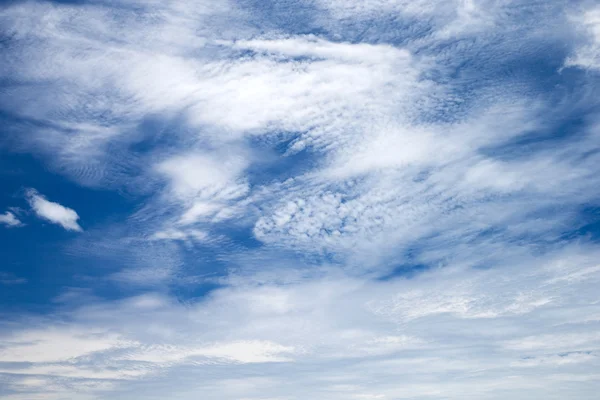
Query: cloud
359, 108
172, 234
53, 212
9, 219
587, 53
441, 332
84, 131
448, 18
205, 183
378, 199
388, 208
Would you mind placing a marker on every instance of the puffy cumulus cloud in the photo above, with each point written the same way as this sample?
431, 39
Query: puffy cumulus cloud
445, 331
9, 219
53, 212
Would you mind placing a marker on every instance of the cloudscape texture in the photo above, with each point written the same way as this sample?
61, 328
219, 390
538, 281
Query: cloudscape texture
300, 199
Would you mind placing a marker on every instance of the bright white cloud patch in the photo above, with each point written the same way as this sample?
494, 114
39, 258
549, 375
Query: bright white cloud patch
53, 212
9, 219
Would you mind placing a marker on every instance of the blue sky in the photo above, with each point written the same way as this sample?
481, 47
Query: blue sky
305, 199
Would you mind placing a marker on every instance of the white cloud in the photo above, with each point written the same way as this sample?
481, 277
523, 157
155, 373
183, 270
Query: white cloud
204, 183
407, 156
101, 91
385, 192
9, 219
445, 331
339, 82
41, 346
318, 48
53, 212
248, 352
450, 18
357, 106
174, 234
587, 54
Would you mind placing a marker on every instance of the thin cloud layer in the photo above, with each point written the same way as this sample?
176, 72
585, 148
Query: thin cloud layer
53, 212
349, 337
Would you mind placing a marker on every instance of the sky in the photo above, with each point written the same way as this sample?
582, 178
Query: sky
299, 199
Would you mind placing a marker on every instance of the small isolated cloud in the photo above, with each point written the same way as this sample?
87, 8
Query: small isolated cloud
53, 212
9, 219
